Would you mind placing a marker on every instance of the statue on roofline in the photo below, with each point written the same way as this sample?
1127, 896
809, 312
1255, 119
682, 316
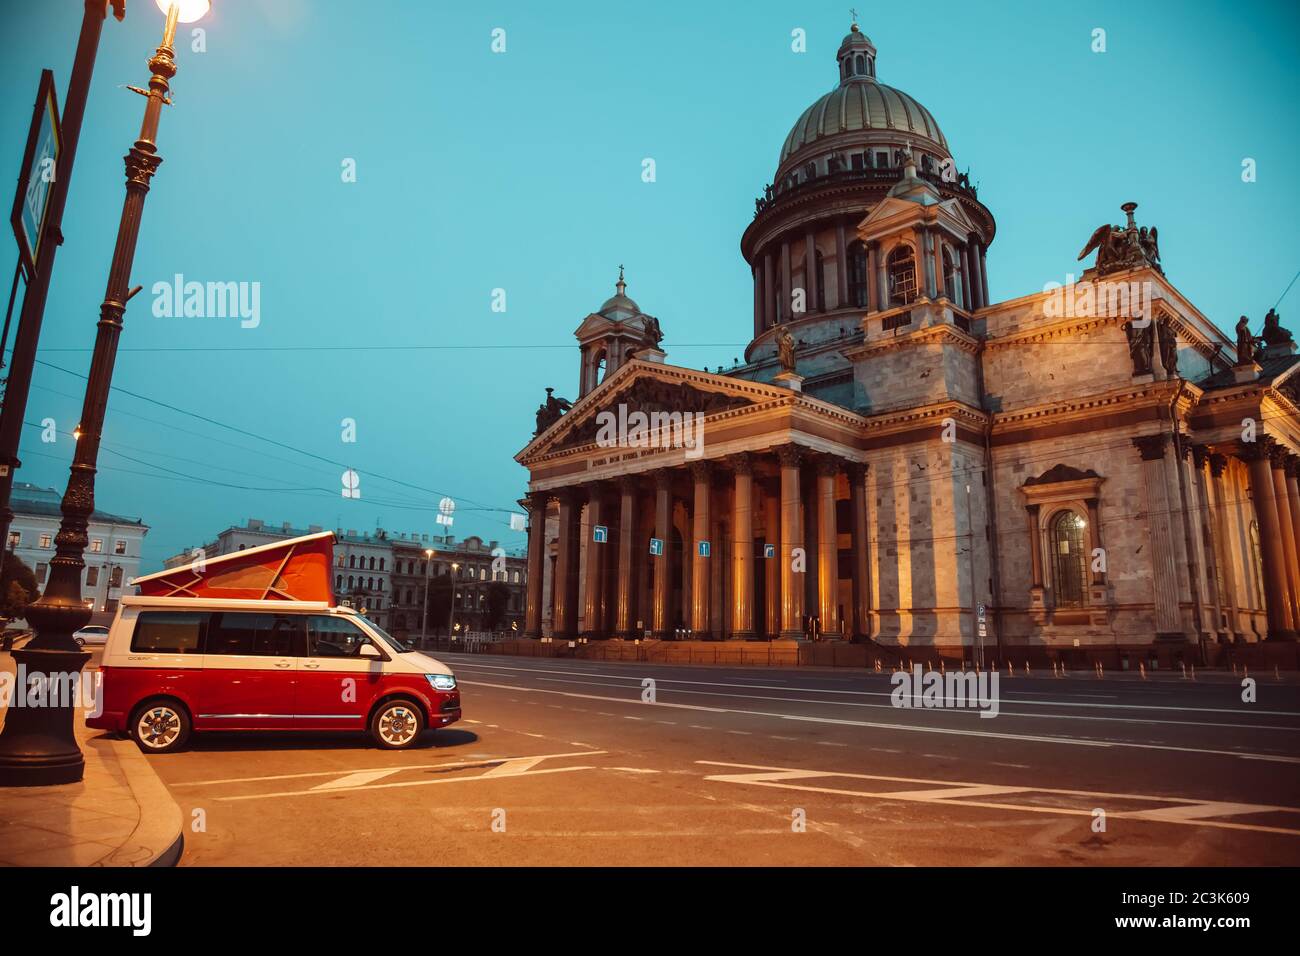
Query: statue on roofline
550, 411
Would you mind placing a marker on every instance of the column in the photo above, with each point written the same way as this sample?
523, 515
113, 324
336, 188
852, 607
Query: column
625, 604
924, 264
1094, 532
937, 250
564, 618
1292, 468
663, 580
882, 279
984, 277
742, 564
1035, 547
841, 266
1163, 549
791, 539
1219, 515
1278, 456
1213, 598
828, 558
769, 293
701, 583
810, 271
964, 255
783, 306
536, 555
1281, 625
861, 530
593, 618
772, 565
758, 299
976, 283
875, 286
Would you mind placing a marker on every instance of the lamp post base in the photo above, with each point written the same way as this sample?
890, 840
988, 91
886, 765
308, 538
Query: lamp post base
37, 745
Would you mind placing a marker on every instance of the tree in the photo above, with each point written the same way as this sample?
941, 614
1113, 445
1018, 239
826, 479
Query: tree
18, 587
498, 599
438, 601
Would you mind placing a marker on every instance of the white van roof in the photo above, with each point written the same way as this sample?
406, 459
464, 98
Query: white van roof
223, 604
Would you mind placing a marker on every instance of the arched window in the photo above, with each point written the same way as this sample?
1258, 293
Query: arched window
338, 582
857, 266
901, 266
352, 582
820, 272
859, 65
372, 562
1069, 558
352, 560
949, 275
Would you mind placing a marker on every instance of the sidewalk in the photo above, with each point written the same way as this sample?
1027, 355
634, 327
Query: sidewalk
120, 814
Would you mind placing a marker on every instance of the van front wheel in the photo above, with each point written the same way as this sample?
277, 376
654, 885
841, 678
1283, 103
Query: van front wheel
160, 726
397, 724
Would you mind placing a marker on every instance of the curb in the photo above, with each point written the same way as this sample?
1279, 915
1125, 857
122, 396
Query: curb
158, 839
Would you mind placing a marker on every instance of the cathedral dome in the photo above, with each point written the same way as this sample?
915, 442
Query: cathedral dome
861, 104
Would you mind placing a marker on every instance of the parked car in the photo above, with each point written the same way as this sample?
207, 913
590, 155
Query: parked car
91, 634
173, 666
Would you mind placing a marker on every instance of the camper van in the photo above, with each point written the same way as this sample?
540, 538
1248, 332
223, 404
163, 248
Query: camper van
173, 666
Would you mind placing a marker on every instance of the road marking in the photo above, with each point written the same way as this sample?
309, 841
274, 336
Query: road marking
400, 783
1008, 701
634, 769
512, 767
954, 793
881, 725
830, 743
357, 779
742, 733
450, 765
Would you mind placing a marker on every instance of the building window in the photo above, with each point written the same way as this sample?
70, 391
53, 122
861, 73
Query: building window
119, 547
115, 578
338, 582
41, 569
352, 560
92, 576
857, 162
1069, 567
882, 159
857, 256
352, 582
46, 540
381, 564
15, 539
96, 545
901, 267
859, 65
819, 270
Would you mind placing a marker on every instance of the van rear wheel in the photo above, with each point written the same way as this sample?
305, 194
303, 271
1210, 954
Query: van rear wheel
160, 726
396, 724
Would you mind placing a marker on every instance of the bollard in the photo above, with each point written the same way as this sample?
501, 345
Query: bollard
1234, 667
1193, 672
1184, 667
1142, 669
1026, 667
1009, 672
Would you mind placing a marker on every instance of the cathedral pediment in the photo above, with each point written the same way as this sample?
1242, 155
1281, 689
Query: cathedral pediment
649, 389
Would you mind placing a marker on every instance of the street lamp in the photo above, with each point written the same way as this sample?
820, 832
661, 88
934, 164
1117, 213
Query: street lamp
424, 617
37, 745
451, 600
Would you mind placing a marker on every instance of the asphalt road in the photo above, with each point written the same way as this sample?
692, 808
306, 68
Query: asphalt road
562, 762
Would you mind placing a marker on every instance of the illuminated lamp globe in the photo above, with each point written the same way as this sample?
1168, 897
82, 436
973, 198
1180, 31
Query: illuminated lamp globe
187, 10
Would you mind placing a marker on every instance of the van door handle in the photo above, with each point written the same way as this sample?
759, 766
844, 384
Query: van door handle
312, 665
283, 663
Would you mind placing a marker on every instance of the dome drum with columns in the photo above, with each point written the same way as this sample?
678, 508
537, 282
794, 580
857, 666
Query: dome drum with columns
909, 468
844, 155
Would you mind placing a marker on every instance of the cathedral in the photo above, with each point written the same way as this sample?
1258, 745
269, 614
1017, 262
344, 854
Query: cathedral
1094, 473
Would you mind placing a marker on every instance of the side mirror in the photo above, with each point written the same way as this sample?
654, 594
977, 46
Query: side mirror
369, 650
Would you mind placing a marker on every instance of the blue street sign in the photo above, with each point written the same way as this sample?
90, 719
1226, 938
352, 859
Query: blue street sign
656, 546
704, 549
600, 534
769, 551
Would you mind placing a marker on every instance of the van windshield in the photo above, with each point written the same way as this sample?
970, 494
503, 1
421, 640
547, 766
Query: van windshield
400, 647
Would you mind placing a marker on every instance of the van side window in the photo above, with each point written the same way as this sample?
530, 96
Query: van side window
254, 635
333, 637
169, 632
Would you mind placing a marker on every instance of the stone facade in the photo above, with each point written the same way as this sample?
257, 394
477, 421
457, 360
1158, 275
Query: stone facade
1086, 472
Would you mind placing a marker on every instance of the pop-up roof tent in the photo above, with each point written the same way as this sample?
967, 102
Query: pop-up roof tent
296, 569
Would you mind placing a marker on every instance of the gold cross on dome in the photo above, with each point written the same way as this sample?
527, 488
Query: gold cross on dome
854, 14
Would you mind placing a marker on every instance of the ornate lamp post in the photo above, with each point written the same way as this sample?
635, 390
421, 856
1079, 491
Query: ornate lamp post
37, 745
451, 600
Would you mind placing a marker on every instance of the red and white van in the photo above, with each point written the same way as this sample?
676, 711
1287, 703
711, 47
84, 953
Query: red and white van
173, 665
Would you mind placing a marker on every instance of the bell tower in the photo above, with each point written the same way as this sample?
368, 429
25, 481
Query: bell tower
613, 335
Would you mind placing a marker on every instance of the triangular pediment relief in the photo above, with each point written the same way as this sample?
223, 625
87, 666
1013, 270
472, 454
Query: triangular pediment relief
891, 212
649, 387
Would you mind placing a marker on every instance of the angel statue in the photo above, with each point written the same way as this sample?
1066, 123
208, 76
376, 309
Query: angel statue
1245, 342
1109, 242
785, 349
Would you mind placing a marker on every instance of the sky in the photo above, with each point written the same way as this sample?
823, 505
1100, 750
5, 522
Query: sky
521, 171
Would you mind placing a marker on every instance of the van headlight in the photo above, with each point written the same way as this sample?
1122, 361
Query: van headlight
441, 681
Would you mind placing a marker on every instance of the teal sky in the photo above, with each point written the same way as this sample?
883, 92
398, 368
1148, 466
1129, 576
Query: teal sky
522, 171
